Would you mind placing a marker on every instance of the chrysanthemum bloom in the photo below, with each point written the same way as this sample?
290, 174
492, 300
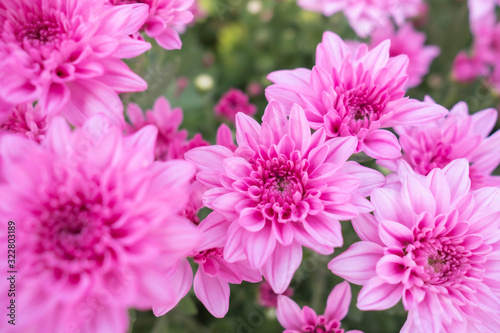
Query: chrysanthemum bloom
232, 102
365, 16
66, 55
214, 274
468, 68
282, 188
268, 298
171, 143
456, 136
165, 19
295, 320
434, 244
26, 120
98, 225
353, 92
420, 56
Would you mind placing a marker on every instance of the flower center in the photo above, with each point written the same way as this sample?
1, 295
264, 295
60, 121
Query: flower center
442, 260
41, 30
322, 325
203, 256
73, 237
281, 185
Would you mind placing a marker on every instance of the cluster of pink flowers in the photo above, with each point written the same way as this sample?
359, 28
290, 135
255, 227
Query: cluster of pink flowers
483, 58
106, 205
365, 16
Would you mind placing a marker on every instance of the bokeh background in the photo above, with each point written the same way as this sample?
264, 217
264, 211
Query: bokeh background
237, 43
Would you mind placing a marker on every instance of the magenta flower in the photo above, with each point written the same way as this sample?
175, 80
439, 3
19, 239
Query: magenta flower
171, 143
165, 19
295, 320
434, 244
97, 220
282, 188
214, 274
353, 92
456, 136
66, 55
268, 298
365, 16
232, 102
26, 120
420, 56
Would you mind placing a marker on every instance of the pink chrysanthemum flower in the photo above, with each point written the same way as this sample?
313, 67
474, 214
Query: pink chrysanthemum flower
232, 102
420, 56
365, 16
166, 18
282, 188
171, 143
97, 220
66, 55
456, 136
214, 274
26, 120
434, 244
295, 320
353, 92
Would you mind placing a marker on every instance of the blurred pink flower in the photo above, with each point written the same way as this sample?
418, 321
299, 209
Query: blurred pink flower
282, 188
459, 135
295, 320
353, 92
26, 120
434, 244
232, 102
420, 56
268, 298
171, 143
467, 69
365, 16
66, 55
214, 274
97, 220
166, 18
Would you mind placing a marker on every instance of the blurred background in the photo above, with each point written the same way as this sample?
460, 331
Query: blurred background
236, 44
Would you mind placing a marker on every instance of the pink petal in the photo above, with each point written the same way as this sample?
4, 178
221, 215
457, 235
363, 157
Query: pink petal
370, 178
417, 196
246, 125
338, 302
416, 113
259, 246
180, 284
331, 51
484, 121
382, 144
233, 251
377, 294
237, 167
389, 206
391, 268
394, 234
279, 269
252, 219
209, 157
212, 292
55, 98
457, 174
340, 149
357, 264
214, 229
324, 229
366, 226
300, 132
438, 185
289, 314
